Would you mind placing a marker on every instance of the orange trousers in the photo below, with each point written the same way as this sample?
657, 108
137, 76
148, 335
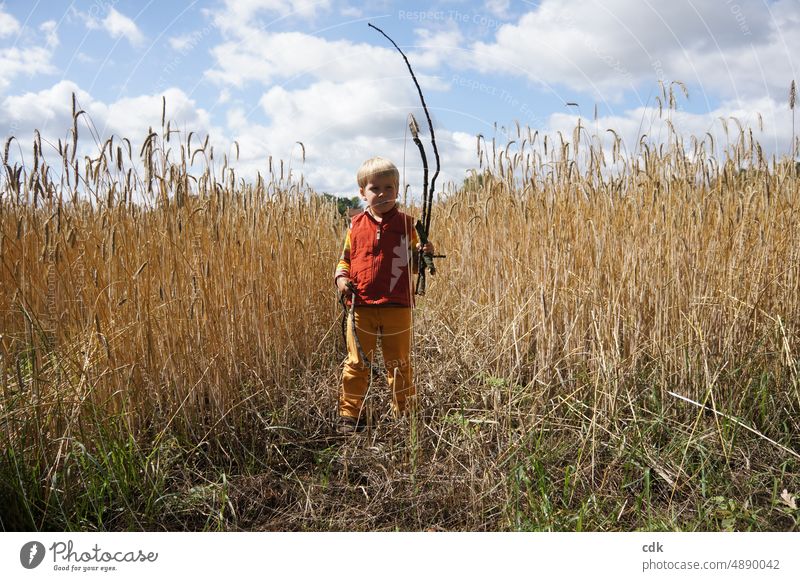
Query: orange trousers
393, 324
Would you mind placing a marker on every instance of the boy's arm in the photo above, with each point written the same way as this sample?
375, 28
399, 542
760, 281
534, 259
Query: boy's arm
343, 266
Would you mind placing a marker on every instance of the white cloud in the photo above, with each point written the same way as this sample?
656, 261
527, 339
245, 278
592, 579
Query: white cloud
187, 42
8, 24
358, 122
28, 55
118, 25
237, 119
499, 8
351, 12
333, 154
50, 112
342, 110
29, 61
613, 46
182, 43
344, 100
437, 47
240, 13
261, 57
49, 28
85, 58
340, 125
131, 116
752, 114
253, 54
38, 110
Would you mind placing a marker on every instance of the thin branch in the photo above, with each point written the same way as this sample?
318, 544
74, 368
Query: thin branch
427, 116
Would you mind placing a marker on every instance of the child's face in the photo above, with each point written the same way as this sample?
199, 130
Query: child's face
380, 193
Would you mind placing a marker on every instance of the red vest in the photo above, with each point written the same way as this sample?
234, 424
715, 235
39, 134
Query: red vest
379, 258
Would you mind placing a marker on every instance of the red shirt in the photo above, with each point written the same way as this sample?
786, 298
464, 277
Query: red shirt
377, 256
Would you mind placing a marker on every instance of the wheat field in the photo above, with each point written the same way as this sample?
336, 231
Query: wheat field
610, 344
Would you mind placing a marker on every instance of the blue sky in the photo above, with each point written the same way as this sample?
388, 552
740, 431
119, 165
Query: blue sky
270, 73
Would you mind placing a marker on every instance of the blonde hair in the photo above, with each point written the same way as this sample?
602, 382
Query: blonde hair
377, 166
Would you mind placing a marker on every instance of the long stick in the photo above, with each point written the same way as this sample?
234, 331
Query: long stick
423, 226
422, 99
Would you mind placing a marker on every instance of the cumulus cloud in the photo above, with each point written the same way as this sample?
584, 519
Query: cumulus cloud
28, 57
499, 8
82, 57
339, 124
439, 47
182, 43
9, 25
130, 116
344, 100
263, 57
42, 109
768, 120
331, 112
256, 54
50, 112
51, 37
333, 153
31, 60
360, 123
240, 13
347, 100
351, 12
120, 26
187, 42
607, 47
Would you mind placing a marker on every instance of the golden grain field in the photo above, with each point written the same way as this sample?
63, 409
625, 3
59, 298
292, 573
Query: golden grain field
173, 364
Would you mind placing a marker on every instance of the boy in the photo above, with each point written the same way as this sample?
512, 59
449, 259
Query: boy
373, 271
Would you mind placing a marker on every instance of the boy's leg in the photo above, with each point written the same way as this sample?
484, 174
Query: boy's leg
355, 377
396, 342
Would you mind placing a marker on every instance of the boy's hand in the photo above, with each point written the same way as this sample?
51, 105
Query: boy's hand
343, 284
427, 249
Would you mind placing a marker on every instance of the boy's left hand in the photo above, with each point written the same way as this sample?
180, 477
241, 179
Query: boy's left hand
427, 249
